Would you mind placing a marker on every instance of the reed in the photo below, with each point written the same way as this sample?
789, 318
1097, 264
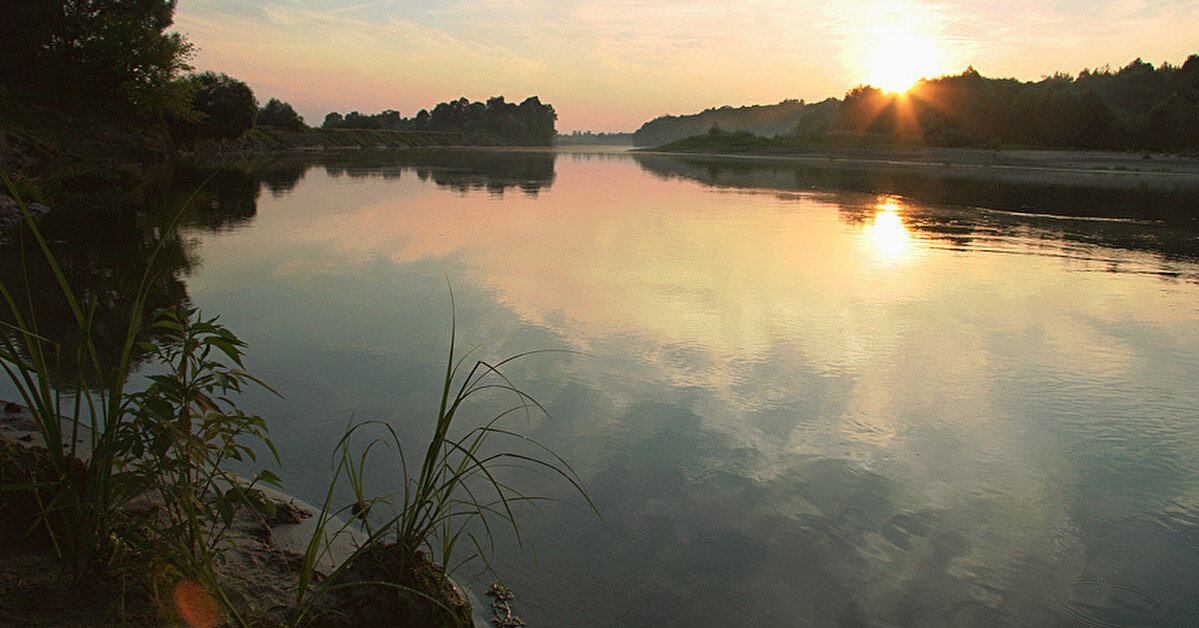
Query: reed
79, 416
149, 470
454, 499
164, 450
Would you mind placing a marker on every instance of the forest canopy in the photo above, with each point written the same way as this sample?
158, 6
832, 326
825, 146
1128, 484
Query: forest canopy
530, 123
111, 53
1137, 107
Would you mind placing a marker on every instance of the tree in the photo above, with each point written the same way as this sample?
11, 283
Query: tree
333, 120
529, 123
539, 121
355, 120
279, 114
389, 119
422, 120
226, 106
102, 52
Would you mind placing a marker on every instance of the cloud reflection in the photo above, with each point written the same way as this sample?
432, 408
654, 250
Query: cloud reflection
764, 388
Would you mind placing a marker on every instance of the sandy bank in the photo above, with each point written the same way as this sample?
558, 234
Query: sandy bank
261, 557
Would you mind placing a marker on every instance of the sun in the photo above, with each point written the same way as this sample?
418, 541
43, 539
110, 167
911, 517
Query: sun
897, 60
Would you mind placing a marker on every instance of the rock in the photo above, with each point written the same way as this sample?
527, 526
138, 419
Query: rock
424, 598
10, 211
288, 513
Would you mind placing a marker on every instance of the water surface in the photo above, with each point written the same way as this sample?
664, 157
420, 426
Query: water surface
797, 395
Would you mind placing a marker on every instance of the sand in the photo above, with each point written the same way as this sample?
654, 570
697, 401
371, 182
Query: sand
259, 573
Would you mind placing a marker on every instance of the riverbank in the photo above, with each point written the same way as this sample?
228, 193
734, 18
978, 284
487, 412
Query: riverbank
259, 570
273, 139
1032, 165
40, 142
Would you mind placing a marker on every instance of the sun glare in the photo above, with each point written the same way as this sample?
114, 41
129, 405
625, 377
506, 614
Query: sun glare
898, 60
887, 231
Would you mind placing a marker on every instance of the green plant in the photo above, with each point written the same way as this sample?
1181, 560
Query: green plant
164, 450
78, 417
185, 431
455, 496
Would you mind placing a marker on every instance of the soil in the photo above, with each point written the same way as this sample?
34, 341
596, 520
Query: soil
258, 572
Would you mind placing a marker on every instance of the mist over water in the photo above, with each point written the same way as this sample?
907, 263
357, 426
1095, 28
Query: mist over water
798, 396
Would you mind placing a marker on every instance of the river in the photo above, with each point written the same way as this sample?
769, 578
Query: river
796, 394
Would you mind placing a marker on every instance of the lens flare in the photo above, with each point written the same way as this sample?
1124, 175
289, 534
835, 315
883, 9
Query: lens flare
195, 605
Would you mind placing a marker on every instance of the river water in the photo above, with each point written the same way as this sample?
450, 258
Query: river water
797, 394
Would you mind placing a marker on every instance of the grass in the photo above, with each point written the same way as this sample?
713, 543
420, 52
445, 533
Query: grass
156, 494
170, 442
81, 511
455, 499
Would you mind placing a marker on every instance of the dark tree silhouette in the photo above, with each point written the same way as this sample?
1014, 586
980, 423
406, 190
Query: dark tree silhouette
1137, 107
226, 106
529, 123
333, 120
105, 53
279, 114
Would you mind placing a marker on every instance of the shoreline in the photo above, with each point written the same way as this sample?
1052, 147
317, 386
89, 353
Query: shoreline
1019, 163
260, 557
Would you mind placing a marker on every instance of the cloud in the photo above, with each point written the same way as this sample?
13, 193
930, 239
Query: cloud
629, 60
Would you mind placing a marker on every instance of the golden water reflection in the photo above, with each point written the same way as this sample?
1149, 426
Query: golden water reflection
790, 328
891, 239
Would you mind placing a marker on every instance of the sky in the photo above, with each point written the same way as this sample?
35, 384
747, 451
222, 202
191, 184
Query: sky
611, 65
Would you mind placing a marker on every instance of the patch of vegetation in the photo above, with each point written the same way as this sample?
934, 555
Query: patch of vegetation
1137, 107
135, 488
456, 499
531, 123
718, 140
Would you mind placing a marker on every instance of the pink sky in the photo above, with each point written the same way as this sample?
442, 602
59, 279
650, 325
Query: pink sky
610, 65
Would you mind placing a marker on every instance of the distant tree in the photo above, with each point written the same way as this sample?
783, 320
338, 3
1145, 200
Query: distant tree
279, 114
867, 109
355, 120
226, 106
529, 123
538, 120
767, 120
390, 119
449, 116
421, 121
333, 120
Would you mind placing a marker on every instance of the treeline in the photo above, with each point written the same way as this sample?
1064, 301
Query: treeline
1137, 107
116, 58
86, 82
530, 123
768, 120
590, 138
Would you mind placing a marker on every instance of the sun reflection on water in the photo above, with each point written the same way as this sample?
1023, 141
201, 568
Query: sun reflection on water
887, 232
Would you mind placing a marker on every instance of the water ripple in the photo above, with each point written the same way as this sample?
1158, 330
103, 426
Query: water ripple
1097, 602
